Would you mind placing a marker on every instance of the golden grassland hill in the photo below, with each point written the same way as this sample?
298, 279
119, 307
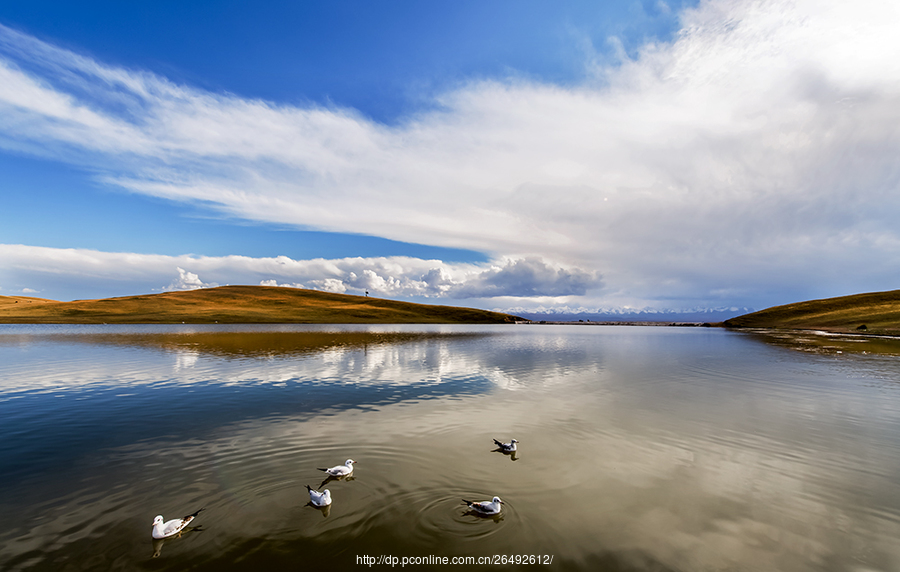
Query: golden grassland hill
871, 313
240, 304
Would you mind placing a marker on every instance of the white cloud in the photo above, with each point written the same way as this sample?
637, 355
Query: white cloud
755, 153
25, 290
272, 282
396, 277
525, 277
187, 281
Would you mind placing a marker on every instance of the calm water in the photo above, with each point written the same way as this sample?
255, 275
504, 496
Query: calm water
641, 448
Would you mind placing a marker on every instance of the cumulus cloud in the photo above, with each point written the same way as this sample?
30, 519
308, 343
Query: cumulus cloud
396, 277
526, 277
187, 281
754, 153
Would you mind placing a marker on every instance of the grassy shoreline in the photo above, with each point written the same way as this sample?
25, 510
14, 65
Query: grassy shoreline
874, 313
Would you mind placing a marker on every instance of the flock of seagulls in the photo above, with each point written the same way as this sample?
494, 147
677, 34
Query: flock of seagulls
322, 499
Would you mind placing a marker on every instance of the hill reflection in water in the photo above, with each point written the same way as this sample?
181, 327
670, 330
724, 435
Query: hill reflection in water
253, 343
814, 341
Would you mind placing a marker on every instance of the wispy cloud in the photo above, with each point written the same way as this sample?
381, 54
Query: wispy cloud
755, 153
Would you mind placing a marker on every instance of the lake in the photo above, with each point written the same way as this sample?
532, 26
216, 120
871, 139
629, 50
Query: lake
640, 448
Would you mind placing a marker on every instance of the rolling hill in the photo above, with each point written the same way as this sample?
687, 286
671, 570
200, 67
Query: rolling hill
239, 304
872, 313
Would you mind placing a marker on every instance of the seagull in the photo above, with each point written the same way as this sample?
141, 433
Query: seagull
485, 507
319, 498
341, 470
506, 447
176, 525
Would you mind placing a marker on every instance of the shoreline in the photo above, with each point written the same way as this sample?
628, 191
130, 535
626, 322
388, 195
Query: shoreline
626, 323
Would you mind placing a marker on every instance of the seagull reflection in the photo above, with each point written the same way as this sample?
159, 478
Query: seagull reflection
329, 479
481, 516
513, 455
325, 510
158, 542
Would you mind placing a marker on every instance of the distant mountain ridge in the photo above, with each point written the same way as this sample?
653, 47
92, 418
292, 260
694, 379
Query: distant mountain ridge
711, 315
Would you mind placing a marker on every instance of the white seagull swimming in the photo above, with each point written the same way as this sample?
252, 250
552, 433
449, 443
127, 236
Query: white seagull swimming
485, 507
506, 447
319, 498
341, 470
171, 528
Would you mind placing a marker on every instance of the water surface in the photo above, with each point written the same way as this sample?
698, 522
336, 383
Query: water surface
640, 448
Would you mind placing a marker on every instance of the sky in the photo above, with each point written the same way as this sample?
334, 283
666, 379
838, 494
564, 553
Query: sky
525, 156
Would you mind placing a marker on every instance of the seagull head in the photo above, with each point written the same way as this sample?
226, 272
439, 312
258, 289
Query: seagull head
157, 520
349, 462
496, 500
513, 441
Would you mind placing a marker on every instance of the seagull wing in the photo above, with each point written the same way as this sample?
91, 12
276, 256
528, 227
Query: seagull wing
176, 525
173, 526
191, 516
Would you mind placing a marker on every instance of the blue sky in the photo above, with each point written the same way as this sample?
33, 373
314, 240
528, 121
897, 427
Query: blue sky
505, 155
